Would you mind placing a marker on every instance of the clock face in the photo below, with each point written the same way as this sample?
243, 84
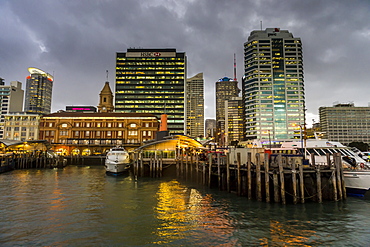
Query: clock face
104, 108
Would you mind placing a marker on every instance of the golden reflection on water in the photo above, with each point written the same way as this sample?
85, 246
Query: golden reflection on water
291, 234
185, 212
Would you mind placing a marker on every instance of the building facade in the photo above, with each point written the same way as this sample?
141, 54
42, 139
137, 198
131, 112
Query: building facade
345, 123
273, 88
11, 100
210, 128
226, 88
21, 126
233, 121
152, 81
39, 88
93, 133
195, 106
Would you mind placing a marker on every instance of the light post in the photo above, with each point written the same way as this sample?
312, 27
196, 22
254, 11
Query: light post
269, 139
301, 135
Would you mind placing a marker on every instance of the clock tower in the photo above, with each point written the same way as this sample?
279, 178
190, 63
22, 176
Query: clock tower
106, 99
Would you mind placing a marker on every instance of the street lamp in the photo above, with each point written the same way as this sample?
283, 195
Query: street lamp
301, 135
269, 139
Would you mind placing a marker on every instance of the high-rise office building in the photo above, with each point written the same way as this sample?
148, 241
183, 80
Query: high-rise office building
273, 88
226, 88
345, 123
152, 81
210, 127
11, 100
39, 88
233, 121
195, 106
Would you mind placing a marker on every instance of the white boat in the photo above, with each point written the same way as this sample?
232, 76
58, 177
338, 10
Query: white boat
356, 171
117, 161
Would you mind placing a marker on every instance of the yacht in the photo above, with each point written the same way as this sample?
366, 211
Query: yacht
356, 170
117, 161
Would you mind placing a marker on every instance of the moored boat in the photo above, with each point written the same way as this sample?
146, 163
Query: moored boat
356, 171
117, 161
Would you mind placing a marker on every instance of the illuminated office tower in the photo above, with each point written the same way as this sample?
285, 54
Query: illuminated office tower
39, 86
226, 88
195, 106
152, 81
233, 121
273, 88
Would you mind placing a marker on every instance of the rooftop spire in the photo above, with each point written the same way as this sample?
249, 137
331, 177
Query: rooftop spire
235, 68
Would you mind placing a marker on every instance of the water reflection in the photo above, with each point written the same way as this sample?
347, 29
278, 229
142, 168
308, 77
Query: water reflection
77, 206
185, 212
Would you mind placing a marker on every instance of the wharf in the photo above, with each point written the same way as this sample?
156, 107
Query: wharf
270, 178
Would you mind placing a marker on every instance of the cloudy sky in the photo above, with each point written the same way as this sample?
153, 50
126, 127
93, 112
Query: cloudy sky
77, 40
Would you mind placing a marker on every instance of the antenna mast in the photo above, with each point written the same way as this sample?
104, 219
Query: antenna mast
235, 68
107, 74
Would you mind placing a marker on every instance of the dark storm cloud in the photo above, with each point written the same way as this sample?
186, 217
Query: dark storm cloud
77, 41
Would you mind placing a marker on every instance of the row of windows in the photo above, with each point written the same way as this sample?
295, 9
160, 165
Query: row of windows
96, 133
149, 58
20, 128
149, 77
94, 142
97, 124
151, 73
133, 82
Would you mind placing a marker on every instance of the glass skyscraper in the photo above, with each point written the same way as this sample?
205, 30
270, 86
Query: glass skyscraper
226, 89
273, 88
195, 106
39, 86
152, 81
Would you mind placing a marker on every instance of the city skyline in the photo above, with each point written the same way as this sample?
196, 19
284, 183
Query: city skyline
77, 41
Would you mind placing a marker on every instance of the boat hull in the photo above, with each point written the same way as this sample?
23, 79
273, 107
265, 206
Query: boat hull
357, 182
116, 168
117, 161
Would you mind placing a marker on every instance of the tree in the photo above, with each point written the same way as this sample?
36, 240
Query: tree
360, 145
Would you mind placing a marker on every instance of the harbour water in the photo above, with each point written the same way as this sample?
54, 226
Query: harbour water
81, 206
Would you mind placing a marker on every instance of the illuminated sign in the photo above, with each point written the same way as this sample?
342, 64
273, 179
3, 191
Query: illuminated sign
151, 54
81, 109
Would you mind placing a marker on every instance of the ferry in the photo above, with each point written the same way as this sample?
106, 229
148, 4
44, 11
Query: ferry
117, 161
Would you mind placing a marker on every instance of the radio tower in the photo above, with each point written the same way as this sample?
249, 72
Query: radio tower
235, 68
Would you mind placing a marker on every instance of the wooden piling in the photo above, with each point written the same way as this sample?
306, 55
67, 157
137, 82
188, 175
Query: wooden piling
239, 173
267, 177
258, 177
249, 175
219, 169
282, 182
228, 172
337, 164
209, 169
301, 182
294, 182
318, 184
